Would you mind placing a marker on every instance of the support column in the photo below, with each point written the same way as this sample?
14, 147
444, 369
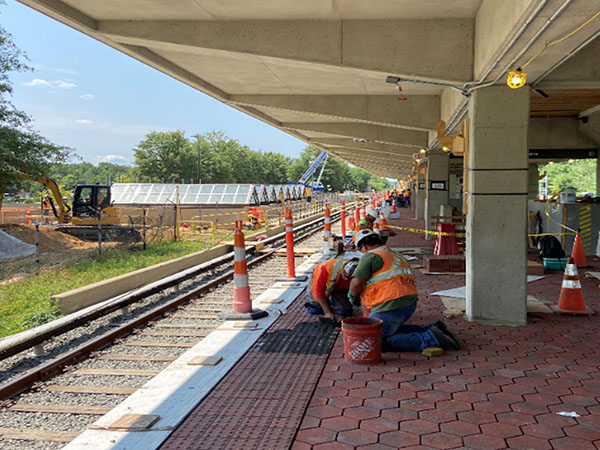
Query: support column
533, 182
437, 185
598, 176
420, 193
497, 206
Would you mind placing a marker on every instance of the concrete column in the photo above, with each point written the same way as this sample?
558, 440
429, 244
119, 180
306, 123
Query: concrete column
437, 177
420, 194
533, 182
497, 206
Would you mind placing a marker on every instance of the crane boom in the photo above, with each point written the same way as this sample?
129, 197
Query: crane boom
313, 167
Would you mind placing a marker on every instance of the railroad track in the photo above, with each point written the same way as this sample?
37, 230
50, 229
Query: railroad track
89, 369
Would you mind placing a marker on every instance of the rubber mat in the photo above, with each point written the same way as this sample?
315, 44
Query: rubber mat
261, 401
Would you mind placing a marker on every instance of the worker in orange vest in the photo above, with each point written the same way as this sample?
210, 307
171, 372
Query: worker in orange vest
329, 288
383, 283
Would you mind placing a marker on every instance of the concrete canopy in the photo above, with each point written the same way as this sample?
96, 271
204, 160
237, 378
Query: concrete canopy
317, 69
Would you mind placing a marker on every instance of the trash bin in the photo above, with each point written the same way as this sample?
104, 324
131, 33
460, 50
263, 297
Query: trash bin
362, 339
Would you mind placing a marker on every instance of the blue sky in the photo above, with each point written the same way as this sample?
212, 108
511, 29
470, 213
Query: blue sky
88, 96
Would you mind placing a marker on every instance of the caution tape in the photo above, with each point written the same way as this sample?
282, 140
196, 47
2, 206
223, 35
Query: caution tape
445, 233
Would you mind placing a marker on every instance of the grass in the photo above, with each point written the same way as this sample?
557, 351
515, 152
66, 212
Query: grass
26, 303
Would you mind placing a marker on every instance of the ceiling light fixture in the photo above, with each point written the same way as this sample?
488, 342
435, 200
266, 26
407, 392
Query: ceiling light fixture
446, 149
516, 79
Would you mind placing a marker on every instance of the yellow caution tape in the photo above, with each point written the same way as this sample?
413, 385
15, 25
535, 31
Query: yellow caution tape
418, 230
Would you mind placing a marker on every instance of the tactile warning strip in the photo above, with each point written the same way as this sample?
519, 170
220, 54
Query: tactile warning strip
261, 401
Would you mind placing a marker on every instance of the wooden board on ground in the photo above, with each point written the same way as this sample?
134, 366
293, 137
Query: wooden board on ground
534, 305
37, 435
110, 390
134, 422
117, 372
128, 357
68, 409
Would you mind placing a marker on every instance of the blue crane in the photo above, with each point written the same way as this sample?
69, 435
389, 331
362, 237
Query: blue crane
316, 186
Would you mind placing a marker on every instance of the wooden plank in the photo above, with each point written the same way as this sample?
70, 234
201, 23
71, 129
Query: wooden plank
126, 357
37, 435
117, 372
61, 409
196, 316
77, 389
205, 360
176, 325
134, 422
176, 333
159, 344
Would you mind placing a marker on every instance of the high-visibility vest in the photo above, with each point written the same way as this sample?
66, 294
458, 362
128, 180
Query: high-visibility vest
394, 280
334, 269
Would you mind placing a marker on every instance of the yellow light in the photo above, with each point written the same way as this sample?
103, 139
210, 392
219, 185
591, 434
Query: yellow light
571, 161
551, 162
446, 149
422, 150
516, 79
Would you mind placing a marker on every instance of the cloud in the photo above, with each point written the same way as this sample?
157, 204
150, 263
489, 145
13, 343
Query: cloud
111, 158
60, 84
85, 121
55, 69
87, 97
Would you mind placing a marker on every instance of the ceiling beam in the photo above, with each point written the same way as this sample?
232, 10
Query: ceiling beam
375, 133
422, 49
419, 112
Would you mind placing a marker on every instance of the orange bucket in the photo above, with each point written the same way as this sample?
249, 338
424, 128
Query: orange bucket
362, 339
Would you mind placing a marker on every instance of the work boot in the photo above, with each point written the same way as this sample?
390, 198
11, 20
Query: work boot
444, 341
442, 326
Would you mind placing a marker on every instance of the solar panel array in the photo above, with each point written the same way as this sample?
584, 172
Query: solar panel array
202, 194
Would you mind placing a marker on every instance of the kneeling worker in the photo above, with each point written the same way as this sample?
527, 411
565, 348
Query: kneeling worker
329, 288
383, 282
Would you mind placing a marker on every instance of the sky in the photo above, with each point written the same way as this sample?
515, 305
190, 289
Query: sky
100, 102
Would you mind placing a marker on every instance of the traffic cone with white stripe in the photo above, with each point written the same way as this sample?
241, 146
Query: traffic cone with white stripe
242, 305
343, 218
571, 296
327, 229
289, 244
578, 253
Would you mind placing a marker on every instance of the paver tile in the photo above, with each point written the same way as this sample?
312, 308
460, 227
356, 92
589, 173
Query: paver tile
529, 408
309, 422
484, 442
554, 420
515, 418
399, 414
381, 403
365, 393
438, 415
362, 412
476, 417
583, 431
340, 423
491, 407
399, 394
345, 402
316, 435
569, 443
379, 425
441, 440
332, 391
454, 405
528, 442
419, 426
399, 439
323, 412
417, 404
501, 430
358, 437
333, 446
375, 447
434, 396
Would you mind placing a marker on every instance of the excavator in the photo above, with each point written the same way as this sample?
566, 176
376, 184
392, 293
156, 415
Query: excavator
89, 202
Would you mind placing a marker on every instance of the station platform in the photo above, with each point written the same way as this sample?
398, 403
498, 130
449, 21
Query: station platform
534, 387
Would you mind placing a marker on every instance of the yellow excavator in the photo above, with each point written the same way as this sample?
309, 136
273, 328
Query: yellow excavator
90, 201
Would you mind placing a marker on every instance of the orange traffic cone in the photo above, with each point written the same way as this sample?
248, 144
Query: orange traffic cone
571, 296
351, 223
578, 253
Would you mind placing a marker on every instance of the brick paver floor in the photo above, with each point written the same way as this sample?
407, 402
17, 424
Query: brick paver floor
503, 389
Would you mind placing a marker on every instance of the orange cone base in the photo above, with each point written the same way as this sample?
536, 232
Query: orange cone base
583, 312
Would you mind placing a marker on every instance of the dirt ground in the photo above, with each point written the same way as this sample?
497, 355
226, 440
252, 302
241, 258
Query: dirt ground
56, 249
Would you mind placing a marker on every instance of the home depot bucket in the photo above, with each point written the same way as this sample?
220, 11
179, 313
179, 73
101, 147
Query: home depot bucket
362, 339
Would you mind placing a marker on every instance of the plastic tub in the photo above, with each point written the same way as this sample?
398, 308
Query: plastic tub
362, 340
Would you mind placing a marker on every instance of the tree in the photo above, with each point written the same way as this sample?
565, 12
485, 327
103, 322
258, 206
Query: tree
21, 148
165, 156
580, 175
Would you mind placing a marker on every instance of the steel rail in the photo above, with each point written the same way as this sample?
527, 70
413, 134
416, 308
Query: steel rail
45, 371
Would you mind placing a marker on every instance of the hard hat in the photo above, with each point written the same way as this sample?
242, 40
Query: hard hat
349, 268
373, 213
363, 234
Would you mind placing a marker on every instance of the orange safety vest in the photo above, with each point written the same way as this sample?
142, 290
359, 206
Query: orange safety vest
394, 280
334, 269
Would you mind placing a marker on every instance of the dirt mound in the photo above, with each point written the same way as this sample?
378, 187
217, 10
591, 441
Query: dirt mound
50, 239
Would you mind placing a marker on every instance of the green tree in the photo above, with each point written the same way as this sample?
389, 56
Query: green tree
580, 175
165, 156
22, 149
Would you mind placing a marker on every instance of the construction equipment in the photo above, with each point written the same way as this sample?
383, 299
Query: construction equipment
90, 201
315, 185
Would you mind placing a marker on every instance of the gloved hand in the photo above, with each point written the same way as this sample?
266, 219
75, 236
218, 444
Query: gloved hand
354, 299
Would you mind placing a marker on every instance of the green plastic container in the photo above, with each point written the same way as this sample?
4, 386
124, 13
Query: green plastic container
555, 263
